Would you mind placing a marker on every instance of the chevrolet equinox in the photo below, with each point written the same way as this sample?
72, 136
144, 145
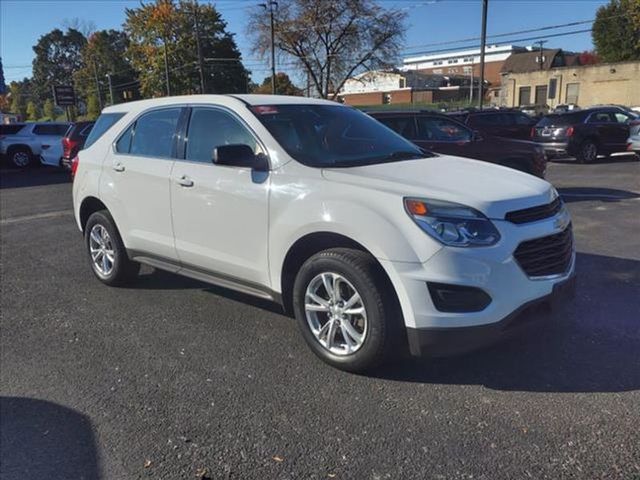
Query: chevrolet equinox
375, 245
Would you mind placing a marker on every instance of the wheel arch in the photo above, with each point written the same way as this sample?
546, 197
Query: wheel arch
307, 246
19, 146
89, 206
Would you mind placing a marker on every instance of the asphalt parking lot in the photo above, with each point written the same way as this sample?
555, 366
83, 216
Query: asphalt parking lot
172, 378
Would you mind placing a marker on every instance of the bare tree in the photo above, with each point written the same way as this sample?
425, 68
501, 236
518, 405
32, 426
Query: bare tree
331, 40
86, 27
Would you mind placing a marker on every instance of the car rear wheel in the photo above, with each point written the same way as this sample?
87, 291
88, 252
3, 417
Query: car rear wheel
345, 309
21, 157
107, 255
588, 152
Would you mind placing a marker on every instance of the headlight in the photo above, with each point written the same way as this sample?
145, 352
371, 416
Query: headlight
452, 224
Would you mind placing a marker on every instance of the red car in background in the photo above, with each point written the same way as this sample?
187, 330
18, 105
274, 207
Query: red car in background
73, 142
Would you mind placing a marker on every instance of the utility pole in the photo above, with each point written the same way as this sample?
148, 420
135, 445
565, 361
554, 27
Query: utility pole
108, 75
483, 42
541, 59
166, 67
95, 74
471, 85
196, 7
269, 5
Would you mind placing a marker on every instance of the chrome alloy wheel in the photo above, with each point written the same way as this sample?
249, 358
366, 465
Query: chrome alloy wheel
335, 313
101, 250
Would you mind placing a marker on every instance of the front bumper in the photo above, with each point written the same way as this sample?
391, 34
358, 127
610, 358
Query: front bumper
441, 342
494, 270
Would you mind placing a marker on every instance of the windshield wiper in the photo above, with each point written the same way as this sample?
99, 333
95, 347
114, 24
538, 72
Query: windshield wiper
396, 156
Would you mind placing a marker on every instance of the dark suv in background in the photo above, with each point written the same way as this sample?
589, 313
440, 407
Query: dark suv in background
498, 123
74, 140
583, 134
443, 134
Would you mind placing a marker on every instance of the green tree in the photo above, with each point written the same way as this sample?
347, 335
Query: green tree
49, 109
168, 28
58, 57
331, 41
284, 86
616, 31
105, 53
3, 86
93, 108
33, 112
18, 92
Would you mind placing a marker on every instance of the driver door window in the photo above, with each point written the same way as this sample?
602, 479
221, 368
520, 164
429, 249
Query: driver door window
210, 128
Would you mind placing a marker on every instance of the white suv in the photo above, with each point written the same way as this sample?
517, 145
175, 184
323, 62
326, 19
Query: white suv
371, 242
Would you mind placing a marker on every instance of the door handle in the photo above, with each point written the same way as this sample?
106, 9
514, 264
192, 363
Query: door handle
118, 167
185, 181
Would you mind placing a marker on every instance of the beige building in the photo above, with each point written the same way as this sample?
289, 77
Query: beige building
605, 83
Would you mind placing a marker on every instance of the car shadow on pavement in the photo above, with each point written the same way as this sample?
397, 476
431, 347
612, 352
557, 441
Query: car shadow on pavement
625, 157
33, 177
589, 344
590, 194
43, 440
156, 279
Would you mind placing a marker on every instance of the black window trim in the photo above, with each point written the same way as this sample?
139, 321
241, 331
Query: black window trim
183, 129
133, 123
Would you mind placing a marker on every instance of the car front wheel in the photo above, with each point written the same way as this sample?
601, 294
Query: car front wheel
345, 309
107, 254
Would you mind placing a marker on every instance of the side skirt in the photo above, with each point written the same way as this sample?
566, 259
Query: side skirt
214, 278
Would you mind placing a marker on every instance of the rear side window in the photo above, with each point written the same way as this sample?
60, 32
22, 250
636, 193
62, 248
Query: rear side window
601, 117
405, 126
522, 119
104, 123
10, 129
441, 130
154, 133
562, 120
488, 120
51, 129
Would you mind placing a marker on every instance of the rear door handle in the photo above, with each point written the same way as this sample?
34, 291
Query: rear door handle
185, 181
118, 167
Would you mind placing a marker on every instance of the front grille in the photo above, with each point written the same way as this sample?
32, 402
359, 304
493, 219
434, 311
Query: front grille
534, 213
549, 255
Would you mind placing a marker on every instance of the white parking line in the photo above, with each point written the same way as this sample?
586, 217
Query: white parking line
37, 216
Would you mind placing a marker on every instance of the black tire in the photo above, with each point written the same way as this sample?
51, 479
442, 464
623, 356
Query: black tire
123, 269
383, 317
588, 152
20, 157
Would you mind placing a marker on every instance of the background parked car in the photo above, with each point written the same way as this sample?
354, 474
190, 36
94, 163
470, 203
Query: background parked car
633, 144
26, 143
584, 134
498, 123
444, 134
74, 140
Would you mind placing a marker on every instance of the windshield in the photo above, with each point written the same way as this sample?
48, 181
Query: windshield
334, 136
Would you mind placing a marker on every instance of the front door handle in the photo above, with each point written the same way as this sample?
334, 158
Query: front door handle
118, 167
185, 181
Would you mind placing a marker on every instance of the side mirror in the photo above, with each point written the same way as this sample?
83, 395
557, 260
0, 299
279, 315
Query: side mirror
239, 155
477, 136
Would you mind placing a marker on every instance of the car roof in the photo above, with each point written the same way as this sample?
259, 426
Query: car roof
248, 99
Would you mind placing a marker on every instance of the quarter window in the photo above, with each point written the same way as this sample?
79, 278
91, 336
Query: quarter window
210, 128
123, 145
154, 133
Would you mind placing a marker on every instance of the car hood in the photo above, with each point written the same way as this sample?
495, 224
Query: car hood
491, 189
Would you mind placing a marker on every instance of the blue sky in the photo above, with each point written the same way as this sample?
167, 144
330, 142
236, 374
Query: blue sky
22, 22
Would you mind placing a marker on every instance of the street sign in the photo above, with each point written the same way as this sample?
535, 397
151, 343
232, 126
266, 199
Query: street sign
64, 95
